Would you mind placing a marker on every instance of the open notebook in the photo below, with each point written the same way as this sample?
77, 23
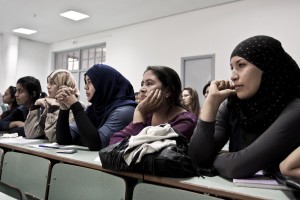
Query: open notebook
259, 180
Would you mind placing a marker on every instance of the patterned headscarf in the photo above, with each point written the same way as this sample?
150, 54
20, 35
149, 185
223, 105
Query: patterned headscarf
64, 77
112, 90
280, 82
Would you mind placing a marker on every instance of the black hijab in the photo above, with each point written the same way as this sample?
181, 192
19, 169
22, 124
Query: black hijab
112, 90
280, 82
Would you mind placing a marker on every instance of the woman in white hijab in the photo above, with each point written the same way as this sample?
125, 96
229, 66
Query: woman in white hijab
42, 118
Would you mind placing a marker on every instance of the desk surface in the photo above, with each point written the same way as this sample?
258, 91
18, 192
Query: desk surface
221, 187
211, 185
85, 158
6, 197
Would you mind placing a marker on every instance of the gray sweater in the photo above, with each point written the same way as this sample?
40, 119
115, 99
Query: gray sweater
248, 152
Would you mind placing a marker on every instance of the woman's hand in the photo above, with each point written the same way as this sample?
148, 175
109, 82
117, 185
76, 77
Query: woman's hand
51, 101
66, 97
16, 124
148, 105
219, 90
41, 102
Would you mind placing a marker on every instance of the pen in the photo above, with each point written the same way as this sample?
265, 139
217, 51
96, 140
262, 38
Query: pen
47, 146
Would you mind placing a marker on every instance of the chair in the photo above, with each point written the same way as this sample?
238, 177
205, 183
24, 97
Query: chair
31, 197
27, 172
70, 182
11, 191
145, 191
1, 159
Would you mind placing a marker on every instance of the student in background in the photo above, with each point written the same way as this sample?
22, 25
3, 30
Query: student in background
42, 122
260, 114
190, 100
205, 90
3, 108
28, 90
160, 104
9, 99
112, 105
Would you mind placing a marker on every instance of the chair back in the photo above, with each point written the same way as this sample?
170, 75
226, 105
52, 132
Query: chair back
1, 159
147, 191
70, 182
31, 197
8, 192
27, 172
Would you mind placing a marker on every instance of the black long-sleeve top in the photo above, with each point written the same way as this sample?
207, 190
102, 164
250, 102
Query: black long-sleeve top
84, 133
248, 152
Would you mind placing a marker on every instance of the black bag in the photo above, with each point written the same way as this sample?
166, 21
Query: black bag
169, 162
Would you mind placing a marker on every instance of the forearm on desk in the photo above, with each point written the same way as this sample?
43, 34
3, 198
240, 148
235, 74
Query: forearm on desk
88, 132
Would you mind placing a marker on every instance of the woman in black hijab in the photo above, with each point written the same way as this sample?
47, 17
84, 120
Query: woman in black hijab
112, 105
260, 114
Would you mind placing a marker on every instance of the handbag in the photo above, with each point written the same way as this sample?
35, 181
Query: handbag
171, 161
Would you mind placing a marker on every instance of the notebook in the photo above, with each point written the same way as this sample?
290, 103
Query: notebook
259, 180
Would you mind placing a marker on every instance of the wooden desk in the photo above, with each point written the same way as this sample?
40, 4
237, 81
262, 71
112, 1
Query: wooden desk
6, 197
221, 187
84, 158
211, 185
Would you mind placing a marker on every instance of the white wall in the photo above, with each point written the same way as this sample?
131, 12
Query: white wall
216, 30
21, 57
33, 60
9, 59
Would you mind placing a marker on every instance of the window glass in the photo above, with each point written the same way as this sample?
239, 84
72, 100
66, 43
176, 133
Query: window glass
78, 61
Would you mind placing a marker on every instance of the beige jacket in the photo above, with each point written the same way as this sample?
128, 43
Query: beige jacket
39, 124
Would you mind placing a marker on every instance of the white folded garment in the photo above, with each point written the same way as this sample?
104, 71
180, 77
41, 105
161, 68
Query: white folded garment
10, 135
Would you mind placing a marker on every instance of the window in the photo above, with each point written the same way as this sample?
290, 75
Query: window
78, 61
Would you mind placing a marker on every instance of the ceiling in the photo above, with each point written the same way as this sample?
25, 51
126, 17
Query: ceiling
43, 15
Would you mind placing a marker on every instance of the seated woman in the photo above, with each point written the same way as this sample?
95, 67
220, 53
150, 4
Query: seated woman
9, 99
112, 105
160, 104
260, 117
42, 122
28, 90
190, 100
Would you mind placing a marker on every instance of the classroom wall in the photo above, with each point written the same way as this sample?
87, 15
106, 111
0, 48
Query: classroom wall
22, 57
216, 30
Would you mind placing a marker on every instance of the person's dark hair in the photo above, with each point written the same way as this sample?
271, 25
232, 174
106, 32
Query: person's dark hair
169, 79
33, 87
205, 87
12, 91
195, 107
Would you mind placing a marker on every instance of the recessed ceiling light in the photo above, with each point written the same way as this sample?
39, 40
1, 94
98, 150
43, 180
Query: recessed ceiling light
74, 15
24, 31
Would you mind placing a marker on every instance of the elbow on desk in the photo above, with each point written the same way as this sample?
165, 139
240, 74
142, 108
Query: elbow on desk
94, 147
235, 170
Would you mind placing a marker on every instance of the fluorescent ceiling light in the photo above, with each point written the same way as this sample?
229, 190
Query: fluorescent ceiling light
74, 15
24, 31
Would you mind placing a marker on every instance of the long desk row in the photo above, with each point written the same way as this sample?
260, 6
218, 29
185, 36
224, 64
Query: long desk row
216, 186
